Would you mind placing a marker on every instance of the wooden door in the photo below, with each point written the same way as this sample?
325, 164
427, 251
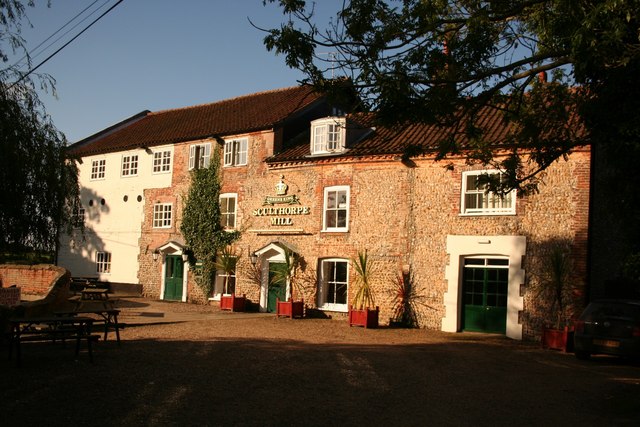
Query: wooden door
173, 277
485, 285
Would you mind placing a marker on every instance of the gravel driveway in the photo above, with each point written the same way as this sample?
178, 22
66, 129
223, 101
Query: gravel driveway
236, 369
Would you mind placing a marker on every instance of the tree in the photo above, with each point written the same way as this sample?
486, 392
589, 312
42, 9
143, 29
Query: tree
201, 226
446, 61
38, 183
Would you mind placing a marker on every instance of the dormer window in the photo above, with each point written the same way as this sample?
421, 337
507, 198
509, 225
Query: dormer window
328, 135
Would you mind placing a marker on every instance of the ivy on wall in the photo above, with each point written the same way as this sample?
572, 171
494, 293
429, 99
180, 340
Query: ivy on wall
203, 233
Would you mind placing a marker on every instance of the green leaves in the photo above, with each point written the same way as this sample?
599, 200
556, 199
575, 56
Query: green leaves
201, 228
363, 297
441, 62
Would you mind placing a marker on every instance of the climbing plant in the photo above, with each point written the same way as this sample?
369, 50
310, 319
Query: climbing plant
203, 233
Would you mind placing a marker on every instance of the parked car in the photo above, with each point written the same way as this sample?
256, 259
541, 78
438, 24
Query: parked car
608, 327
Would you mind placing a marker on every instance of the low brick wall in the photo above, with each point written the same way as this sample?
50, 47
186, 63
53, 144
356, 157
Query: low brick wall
31, 279
49, 282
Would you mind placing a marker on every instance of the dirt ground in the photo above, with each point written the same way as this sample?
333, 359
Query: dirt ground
195, 365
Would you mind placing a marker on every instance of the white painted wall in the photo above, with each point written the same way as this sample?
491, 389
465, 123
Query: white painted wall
114, 226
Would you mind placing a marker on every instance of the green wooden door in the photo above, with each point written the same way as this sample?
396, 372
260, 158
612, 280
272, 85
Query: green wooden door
173, 278
277, 285
485, 283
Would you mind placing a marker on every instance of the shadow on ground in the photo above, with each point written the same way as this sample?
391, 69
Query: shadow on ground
464, 380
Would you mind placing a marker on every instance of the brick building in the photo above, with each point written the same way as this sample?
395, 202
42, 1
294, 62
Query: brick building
297, 175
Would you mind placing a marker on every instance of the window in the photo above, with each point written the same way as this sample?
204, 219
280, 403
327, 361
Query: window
199, 156
235, 152
328, 136
78, 217
130, 165
103, 262
228, 204
98, 169
225, 283
162, 161
477, 201
336, 209
333, 286
162, 215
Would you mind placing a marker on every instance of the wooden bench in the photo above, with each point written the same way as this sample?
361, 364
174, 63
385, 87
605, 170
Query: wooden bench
107, 316
51, 329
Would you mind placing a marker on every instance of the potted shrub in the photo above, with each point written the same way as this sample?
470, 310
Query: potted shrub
553, 288
288, 274
404, 299
363, 312
226, 263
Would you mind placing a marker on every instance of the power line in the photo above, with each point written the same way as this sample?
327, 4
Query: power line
65, 45
33, 55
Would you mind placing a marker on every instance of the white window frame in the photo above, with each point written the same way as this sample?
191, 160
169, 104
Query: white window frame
103, 262
323, 285
129, 165
328, 135
219, 284
341, 205
161, 161
236, 152
203, 154
162, 215
224, 214
98, 169
491, 203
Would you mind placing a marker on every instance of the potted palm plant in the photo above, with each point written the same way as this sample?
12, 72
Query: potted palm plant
553, 288
226, 263
363, 312
404, 301
288, 275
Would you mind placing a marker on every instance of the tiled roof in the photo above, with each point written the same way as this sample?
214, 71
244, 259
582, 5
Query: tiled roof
393, 141
237, 115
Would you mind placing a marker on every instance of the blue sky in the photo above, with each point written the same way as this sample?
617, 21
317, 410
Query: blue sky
155, 55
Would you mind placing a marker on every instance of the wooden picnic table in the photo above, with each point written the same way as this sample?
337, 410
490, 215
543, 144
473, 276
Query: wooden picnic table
109, 316
52, 329
94, 294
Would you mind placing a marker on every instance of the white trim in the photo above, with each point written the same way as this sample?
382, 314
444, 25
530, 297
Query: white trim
98, 176
173, 248
162, 153
204, 158
319, 129
459, 247
464, 211
321, 290
233, 196
131, 172
163, 211
232, 149
271, 253
336, 188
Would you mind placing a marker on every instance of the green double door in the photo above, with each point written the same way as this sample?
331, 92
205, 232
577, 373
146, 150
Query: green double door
485, 283
174, 273
277, 285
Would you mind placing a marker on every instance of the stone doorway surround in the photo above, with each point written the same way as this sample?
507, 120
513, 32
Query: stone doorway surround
459, 247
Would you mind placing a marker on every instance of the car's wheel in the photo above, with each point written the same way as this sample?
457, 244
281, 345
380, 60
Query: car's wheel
583, 355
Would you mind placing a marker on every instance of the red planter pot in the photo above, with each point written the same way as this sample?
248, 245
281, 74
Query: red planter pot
558, 339
367, 318
290, 309
233, 302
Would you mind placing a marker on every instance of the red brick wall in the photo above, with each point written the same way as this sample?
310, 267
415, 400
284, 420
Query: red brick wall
32, 279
